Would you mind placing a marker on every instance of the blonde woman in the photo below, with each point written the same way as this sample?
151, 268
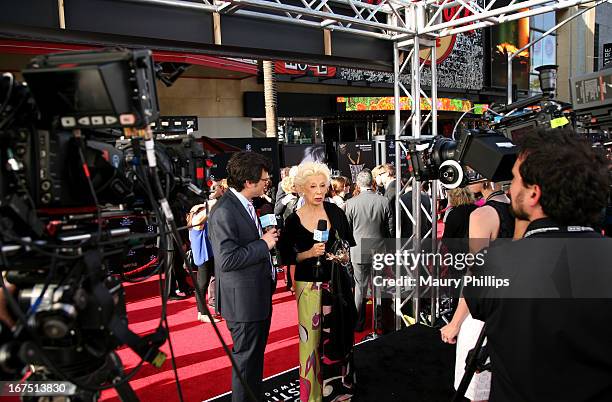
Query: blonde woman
376, 174
325, 310
337, 190
289, 201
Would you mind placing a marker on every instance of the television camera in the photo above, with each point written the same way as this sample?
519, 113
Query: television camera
86, 195
489, 153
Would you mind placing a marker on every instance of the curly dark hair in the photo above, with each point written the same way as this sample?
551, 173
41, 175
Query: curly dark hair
244, 166
573, 178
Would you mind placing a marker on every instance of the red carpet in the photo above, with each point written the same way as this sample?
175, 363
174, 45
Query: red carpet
203, 368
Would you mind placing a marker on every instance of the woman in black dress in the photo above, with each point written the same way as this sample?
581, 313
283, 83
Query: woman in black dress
325, 309
457, 219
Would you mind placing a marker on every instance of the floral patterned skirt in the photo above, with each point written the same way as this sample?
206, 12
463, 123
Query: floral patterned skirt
322, 378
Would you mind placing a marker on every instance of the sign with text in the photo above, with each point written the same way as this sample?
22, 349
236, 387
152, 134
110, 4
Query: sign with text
592, 90
303, 69
607, 54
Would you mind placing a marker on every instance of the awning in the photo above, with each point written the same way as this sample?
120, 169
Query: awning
37, 48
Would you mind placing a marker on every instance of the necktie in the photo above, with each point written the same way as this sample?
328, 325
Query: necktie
254, 217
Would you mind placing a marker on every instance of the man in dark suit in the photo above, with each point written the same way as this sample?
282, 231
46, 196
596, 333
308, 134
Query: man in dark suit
548, 331
245, 276
371, 222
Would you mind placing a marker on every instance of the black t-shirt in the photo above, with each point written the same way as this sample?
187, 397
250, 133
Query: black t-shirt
295, 238
546, 349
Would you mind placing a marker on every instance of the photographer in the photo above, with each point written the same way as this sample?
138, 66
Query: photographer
548, 338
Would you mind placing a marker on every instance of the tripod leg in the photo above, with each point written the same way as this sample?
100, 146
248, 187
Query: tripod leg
470, 367
124, 390
126, 393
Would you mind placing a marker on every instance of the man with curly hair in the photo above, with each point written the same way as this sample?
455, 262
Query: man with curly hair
548, 331
245, 276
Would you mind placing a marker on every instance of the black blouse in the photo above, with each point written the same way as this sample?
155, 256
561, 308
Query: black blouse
295, 238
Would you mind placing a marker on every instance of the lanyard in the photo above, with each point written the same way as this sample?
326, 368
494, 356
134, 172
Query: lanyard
494, 194
568, 229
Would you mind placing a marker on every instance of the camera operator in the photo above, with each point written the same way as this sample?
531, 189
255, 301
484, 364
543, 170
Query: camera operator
551, 343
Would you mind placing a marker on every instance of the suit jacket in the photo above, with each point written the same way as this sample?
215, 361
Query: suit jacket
369, 217
547, 338
278, 201
242, 263
391, 191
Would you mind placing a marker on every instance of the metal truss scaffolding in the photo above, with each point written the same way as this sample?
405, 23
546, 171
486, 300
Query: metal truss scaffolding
388, 19
413, 27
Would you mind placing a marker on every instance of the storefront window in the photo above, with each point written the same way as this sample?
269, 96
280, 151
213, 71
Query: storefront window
292, 130
301, 130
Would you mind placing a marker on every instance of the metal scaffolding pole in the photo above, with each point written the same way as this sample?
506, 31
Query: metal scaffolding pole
416, 185
434, 297
419, 124
397, 69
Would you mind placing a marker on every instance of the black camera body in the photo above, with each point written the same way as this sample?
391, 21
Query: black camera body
487, 152
77, 210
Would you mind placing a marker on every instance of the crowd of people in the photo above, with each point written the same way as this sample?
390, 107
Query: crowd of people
238, 262
541, 348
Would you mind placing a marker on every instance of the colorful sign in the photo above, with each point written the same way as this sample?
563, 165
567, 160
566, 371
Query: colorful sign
361, 103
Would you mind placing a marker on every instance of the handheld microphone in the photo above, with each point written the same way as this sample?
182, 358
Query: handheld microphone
267, 217
268, 220
320, 235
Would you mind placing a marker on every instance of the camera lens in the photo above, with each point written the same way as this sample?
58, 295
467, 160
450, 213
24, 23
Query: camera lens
443, 150
450, 174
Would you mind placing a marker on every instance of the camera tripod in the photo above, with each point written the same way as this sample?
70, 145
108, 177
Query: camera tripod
476, 361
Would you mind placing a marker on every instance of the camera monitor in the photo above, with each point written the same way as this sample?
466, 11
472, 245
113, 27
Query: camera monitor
98, 89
